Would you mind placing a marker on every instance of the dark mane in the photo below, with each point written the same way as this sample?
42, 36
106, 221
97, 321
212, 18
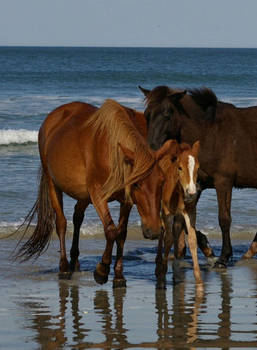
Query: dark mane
207, 100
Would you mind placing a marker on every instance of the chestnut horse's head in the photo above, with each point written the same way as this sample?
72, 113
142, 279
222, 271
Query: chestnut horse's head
146, 192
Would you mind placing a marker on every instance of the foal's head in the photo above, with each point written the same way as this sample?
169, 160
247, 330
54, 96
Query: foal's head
181, 169
188, 166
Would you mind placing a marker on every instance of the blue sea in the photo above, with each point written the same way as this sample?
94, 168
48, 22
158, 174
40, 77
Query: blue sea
35, 80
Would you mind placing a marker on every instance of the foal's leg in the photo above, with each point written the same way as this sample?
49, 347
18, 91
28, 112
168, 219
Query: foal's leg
224, 194
252, 250
159, 273
78, 217
192, 242
61, 224
111, 233
119, 280
202, 240
162, 258
177, 229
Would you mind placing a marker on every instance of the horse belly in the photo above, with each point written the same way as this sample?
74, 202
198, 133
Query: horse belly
67, 169
246, 174
246, 179
70, 180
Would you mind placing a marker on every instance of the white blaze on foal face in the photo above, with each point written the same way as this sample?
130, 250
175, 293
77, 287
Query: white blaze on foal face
191, 167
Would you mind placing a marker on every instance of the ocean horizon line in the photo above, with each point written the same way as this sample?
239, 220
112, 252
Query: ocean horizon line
128, 47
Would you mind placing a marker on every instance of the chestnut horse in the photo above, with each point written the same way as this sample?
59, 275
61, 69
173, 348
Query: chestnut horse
94, 156
228, 138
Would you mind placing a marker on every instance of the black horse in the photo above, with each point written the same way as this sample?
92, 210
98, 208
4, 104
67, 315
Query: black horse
228, 139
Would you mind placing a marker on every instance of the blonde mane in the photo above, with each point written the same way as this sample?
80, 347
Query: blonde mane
113, 121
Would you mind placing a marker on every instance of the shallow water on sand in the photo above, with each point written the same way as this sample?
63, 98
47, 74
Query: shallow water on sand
40, 311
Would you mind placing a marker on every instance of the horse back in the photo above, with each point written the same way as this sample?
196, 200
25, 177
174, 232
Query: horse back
234, 145
63, 114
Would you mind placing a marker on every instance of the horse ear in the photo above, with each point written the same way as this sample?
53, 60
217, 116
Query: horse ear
144, 91
196, 148
129, 156
184, 146
170, 148
176, 96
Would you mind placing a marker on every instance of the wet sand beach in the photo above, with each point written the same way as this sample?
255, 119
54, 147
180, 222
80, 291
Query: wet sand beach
39, 311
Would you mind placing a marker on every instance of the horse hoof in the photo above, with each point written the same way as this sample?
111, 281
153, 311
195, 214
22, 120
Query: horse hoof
75, 268
100, 279
119, 283
65, 275
101, 273
220, 265
211, 261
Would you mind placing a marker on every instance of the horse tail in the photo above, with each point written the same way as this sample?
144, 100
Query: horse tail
43, 210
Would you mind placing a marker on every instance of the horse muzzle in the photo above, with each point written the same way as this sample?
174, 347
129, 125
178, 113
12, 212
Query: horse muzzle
188, 198
149, 233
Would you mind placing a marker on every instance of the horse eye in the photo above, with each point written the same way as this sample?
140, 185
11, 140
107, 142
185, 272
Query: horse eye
136, 186
180, 168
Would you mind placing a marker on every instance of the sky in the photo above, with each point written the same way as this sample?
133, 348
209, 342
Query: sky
146, 23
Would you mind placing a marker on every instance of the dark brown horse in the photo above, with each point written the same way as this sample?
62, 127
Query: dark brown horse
94, 156
228, 138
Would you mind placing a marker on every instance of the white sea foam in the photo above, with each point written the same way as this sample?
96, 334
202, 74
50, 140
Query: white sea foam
20, 136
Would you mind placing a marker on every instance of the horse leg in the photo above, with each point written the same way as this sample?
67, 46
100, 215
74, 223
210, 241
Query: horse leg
177, 229
192, 242
78, 217
159, 272
202, 240
224, 194
252, 250
119, 280
61, 224
103, 268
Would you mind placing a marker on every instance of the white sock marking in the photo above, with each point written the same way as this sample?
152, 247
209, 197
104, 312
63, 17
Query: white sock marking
191, 166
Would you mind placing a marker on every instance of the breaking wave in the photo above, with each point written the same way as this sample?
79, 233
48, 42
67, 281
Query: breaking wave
19, 136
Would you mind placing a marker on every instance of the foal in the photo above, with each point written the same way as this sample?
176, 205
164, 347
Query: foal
180, 175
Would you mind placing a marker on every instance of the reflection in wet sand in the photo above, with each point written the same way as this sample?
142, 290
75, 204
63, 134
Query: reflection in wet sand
78, 314
181, 315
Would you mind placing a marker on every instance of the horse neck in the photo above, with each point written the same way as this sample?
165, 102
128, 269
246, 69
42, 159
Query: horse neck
170, 171
191, 127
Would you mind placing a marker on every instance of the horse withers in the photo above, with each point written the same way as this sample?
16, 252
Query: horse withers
228, 138
94, 156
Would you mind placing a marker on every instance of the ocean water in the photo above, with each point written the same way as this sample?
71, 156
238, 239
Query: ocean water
35, 80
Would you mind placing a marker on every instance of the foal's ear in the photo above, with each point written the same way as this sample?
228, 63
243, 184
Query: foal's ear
196, 148
144, 91
170, 148
129, 156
